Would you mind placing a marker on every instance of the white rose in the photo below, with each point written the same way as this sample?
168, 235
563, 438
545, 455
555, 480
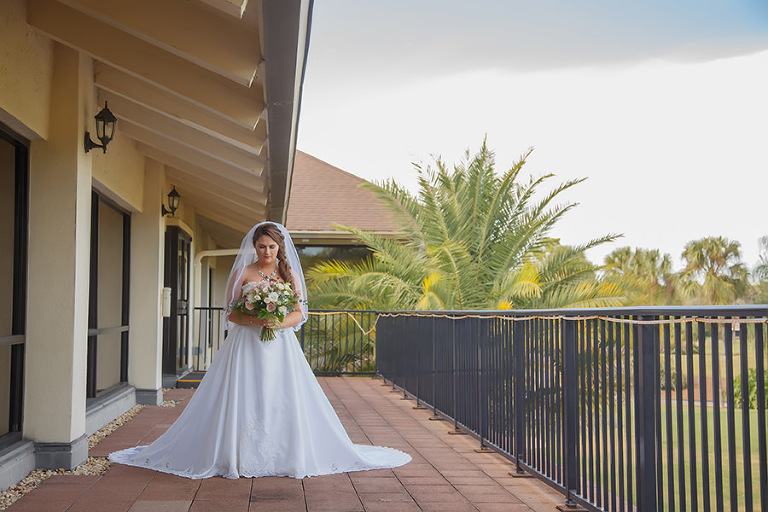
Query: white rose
273, 296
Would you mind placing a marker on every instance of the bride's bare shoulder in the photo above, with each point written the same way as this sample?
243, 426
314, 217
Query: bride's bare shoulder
251, 273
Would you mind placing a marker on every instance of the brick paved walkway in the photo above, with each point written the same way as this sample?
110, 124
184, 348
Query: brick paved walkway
445, 475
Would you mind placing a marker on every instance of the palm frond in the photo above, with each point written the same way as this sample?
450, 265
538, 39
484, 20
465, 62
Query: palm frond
470, 239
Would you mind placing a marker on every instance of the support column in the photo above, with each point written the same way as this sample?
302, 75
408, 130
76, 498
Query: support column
59, 254
147, 254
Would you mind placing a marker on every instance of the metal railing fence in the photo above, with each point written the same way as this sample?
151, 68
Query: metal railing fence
619, 408
335, 342
340, 342
208, 335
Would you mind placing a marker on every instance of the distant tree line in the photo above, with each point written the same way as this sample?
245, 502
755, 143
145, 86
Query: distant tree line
473, 238
713, 273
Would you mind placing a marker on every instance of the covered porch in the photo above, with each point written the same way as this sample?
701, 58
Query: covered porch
101, 223
446, 474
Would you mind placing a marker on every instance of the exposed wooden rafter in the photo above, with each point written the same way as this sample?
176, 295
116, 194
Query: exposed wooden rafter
217, 188
221, 44
113, 80
144, 60
231, 7
187, 82
250, 183
189, 153
185, 133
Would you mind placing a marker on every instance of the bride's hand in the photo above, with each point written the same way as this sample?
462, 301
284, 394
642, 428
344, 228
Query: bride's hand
271, 323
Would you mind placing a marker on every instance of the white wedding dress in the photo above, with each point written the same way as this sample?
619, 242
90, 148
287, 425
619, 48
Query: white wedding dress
259, 411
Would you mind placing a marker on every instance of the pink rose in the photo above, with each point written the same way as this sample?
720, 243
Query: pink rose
248, 306
270, 307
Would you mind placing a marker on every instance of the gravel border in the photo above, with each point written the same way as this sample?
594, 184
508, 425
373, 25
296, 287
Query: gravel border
92, 466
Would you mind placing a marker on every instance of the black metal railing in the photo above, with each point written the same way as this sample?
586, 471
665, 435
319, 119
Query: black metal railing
340, 342
335, 342
208, 336
619, 408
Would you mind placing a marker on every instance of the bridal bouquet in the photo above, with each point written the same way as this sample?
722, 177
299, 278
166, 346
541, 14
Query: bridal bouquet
266, 299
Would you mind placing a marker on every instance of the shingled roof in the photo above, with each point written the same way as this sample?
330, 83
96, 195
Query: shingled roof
322, 195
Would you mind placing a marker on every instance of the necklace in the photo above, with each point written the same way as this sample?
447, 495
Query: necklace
267, 277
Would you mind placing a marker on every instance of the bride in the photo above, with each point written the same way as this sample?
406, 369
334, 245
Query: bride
259, 411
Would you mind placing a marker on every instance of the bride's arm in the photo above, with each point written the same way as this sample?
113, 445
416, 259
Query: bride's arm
240, 318
291, 319
234, 316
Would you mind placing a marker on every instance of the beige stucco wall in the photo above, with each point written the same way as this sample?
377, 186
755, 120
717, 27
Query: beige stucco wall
26, 66
147, 256
220, 275
118, 173
59, 254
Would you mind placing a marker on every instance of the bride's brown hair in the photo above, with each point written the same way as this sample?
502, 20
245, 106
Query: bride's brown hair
273, 232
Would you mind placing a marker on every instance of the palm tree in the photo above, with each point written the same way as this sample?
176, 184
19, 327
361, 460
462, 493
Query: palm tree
645, 274
470, 239
714, 269
761, 270
760, 273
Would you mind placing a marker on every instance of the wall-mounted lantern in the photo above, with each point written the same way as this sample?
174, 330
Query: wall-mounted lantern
105, 130
173, 203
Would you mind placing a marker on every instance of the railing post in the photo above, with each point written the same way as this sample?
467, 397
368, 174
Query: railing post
481, 409
456, 430
570, 410
419, 347
303, 327
381, 348
646, 359
409, 361
434, 373
396, 337
520, 406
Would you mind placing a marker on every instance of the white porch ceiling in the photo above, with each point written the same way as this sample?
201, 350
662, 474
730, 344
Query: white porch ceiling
210, 88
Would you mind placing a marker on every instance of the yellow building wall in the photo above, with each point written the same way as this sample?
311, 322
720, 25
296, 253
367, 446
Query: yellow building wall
26, 68
118, 173
59, 254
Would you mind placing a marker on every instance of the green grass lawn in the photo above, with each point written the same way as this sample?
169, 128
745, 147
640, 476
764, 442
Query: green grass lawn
677, 494
738, 457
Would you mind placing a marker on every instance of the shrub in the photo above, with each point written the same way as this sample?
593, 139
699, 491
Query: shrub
752, 387
673, 380
683, 347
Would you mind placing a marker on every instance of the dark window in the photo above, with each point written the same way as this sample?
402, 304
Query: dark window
108, 305
311, 255
14, 200
177, 272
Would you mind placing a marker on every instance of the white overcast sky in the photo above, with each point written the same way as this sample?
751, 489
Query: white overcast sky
662, 105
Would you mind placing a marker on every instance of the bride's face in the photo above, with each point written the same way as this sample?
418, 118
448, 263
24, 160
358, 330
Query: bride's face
266, 250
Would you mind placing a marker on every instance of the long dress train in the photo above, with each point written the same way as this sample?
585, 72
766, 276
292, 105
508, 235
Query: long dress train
259, 411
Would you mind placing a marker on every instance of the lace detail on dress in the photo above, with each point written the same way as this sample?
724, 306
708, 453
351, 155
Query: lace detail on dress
255, 439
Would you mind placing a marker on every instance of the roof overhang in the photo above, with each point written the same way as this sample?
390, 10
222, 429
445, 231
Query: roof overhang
210, 88
334, 237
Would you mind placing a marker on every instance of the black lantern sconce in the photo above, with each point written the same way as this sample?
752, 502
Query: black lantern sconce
173, 203
105, 130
